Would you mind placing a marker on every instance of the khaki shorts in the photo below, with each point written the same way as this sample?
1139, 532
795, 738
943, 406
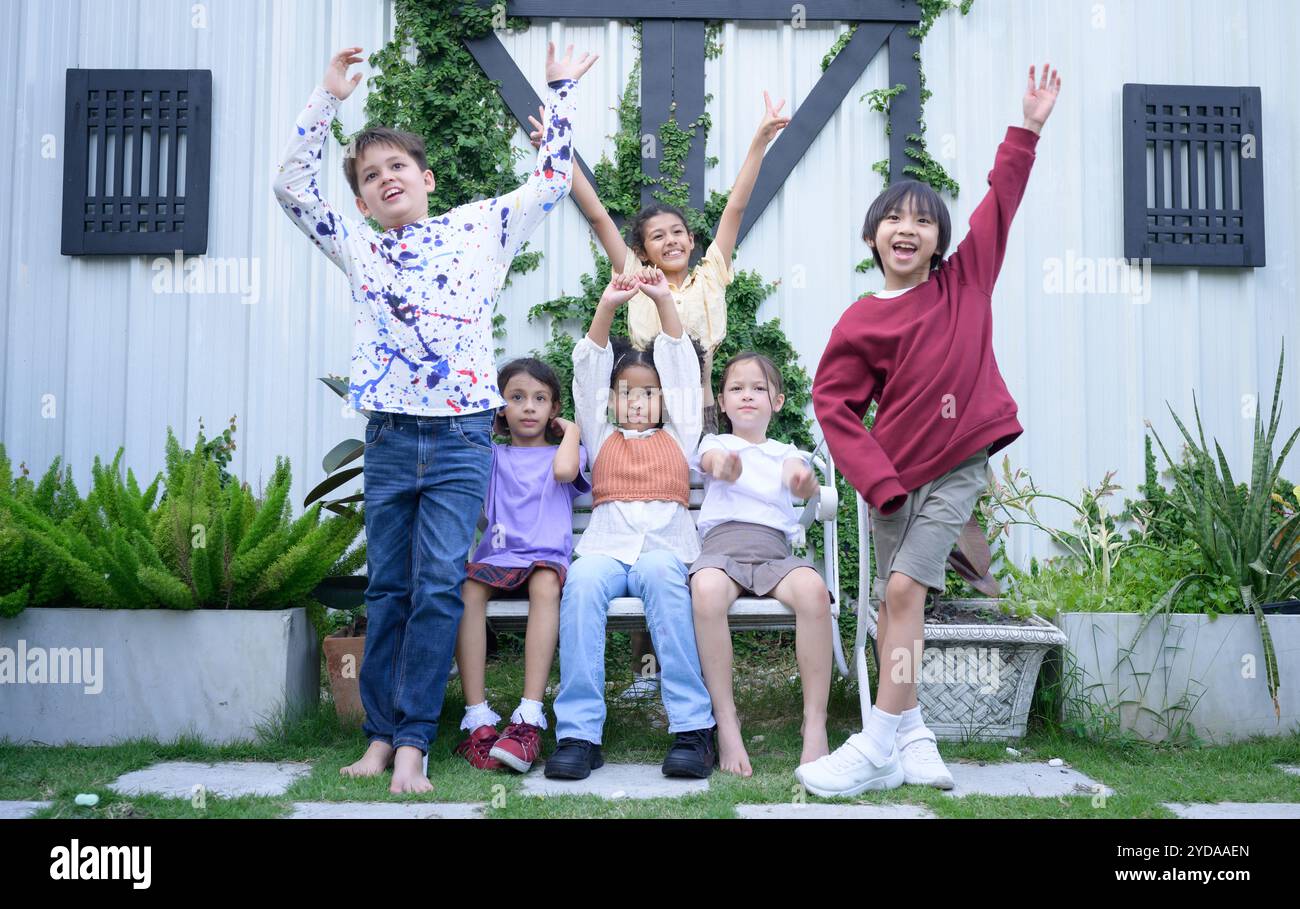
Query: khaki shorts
917, 538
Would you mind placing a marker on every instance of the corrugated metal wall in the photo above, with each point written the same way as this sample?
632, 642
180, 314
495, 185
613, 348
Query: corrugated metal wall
124, 362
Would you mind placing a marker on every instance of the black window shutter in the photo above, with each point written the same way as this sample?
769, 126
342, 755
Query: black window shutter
137, 155
1193, 175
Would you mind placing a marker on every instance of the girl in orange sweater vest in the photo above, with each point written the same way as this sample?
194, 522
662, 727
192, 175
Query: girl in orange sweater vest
641, 535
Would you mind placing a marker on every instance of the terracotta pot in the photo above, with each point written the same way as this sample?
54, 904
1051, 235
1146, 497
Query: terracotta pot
343, 661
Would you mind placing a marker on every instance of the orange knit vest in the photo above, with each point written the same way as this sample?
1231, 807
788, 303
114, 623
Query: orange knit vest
652, 469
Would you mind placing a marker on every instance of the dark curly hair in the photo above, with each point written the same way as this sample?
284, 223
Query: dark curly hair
627, 355
538, 370
636, 227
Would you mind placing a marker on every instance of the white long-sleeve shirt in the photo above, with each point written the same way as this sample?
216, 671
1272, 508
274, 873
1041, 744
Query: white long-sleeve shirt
422, 339
623, 530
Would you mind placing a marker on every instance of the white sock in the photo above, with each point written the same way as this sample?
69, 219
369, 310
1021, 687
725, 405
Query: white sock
530, 712
880, 731
477, 715
910, 720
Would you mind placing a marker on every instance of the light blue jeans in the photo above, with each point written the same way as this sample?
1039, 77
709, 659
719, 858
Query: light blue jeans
659, 579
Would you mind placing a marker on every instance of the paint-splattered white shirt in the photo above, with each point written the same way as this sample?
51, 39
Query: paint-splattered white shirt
422, 339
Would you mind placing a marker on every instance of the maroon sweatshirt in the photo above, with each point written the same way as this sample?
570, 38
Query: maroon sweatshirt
926, 358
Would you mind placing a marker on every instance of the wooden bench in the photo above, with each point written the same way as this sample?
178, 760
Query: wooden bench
747, 613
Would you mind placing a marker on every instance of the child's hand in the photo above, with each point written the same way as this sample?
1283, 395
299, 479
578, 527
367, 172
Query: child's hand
563, 426
803, 483
727, 467
336, 80
535, 136
567, 68
620, 289
1040, 99
653, 283
772, 122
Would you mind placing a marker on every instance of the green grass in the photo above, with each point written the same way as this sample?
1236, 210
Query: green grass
1143, 776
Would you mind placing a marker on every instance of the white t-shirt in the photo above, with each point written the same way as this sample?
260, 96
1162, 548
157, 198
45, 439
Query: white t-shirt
890, 294
758, 496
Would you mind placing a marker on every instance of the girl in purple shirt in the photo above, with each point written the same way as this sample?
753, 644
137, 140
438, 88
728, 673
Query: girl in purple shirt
525, 549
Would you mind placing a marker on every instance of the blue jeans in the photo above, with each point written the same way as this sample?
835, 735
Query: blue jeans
659, 579
425, 481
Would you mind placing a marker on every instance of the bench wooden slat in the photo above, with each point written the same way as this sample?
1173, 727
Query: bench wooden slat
628, 614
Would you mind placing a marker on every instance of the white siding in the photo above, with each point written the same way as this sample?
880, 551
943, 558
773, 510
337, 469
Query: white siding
123, 363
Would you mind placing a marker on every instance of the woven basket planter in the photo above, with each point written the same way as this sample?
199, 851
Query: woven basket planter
976, 681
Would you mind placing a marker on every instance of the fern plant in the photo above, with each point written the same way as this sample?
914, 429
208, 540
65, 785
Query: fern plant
187, 541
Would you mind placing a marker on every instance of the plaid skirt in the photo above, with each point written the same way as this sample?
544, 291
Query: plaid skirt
510, 579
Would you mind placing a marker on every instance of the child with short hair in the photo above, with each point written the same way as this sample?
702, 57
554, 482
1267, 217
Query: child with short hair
422, 371
748, 523
525, 548
923, 350
641, 535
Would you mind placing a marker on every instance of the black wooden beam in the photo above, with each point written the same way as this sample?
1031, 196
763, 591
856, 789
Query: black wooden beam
905, 107
688, 97
815, 10
656, 95
813, 115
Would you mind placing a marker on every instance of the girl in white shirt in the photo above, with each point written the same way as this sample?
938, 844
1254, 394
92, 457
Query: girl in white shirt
748, 522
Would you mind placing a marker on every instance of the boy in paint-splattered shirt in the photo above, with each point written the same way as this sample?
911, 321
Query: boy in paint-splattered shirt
425, 286
422, 367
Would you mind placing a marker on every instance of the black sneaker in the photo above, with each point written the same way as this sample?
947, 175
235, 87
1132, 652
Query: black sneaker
573, 759
694, 754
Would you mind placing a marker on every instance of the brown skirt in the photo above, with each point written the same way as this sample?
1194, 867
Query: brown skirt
755, 556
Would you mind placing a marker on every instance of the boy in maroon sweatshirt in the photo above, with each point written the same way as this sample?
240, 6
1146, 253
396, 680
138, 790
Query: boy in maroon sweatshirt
923, 350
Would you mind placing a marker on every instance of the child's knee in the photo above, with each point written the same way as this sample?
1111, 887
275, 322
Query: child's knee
544, 583
710, 589
902, 591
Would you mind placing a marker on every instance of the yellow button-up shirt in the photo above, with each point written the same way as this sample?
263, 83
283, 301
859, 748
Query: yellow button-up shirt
701, 302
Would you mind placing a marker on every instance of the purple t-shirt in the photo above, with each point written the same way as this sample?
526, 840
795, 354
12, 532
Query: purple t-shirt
529, 513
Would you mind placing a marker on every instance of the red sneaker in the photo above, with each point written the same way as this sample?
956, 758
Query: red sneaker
518, 746
475, 748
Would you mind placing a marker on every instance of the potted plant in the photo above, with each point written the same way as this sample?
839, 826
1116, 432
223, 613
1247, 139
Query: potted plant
182, 608
1234, 528
345, 645
1168, 637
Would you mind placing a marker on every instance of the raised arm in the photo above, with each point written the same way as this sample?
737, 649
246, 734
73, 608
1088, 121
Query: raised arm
514, 216
978, 258
296, 185
729, 225
585, 195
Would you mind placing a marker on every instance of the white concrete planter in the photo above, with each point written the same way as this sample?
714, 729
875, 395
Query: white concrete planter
98, 676
1185, 669
976, 681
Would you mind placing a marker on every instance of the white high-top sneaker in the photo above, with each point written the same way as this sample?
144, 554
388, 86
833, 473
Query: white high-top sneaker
922, 765
848, 771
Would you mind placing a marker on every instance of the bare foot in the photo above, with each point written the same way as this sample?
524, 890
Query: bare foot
814, 742
731, 750
377, 759
408, 771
